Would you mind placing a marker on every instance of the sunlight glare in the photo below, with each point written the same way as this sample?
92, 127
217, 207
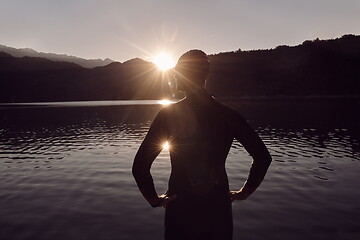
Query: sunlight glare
164, 61
165, 102
166, 145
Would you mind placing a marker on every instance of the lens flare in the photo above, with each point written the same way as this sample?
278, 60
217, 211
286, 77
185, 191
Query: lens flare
164, 61
166, 146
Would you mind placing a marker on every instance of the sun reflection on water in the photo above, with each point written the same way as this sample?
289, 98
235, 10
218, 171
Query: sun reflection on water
165, 102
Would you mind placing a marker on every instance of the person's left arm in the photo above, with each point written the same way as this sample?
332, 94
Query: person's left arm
148, 151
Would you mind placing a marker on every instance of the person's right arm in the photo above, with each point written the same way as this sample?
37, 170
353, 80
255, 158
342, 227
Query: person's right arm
257, 149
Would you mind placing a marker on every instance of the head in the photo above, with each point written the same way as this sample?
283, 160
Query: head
191, 70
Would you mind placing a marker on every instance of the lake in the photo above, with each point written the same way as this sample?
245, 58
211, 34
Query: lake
65, 171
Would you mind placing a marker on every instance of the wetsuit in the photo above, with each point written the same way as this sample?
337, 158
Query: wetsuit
200, 132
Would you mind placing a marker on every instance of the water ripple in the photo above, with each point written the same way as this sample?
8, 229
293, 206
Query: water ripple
75, 169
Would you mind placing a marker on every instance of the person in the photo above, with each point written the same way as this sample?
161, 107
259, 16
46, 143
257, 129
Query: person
200, 132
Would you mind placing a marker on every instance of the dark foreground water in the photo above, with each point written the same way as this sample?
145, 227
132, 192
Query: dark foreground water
65, 172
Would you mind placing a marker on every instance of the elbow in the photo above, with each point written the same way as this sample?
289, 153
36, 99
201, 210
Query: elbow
139, 171
264, 159
268, 159
136, 172
133, 170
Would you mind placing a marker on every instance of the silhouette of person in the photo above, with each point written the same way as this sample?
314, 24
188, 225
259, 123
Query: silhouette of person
200, 132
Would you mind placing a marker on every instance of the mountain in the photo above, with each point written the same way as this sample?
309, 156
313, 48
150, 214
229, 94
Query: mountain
30, 79
316, 67
9, 63
87, 63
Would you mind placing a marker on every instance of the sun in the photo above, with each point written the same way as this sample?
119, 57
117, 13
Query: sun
164, 61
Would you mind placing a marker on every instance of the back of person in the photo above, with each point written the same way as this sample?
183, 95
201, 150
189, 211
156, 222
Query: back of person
200, 132
200, 138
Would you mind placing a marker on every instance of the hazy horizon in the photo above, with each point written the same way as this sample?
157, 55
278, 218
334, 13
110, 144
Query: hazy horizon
27, 48
125, 30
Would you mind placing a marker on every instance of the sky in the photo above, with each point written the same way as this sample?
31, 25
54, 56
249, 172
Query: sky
126, 29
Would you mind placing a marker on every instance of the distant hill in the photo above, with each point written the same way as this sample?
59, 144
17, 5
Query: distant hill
30, 79
317, 67
9, 63
23, 52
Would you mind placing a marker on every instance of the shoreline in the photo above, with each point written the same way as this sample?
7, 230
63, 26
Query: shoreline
357, 97
158, 101
289, 99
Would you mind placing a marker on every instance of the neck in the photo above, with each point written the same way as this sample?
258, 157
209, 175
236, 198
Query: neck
198, 95
199, 92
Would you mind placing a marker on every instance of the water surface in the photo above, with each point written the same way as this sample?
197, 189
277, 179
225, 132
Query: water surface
65, 172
